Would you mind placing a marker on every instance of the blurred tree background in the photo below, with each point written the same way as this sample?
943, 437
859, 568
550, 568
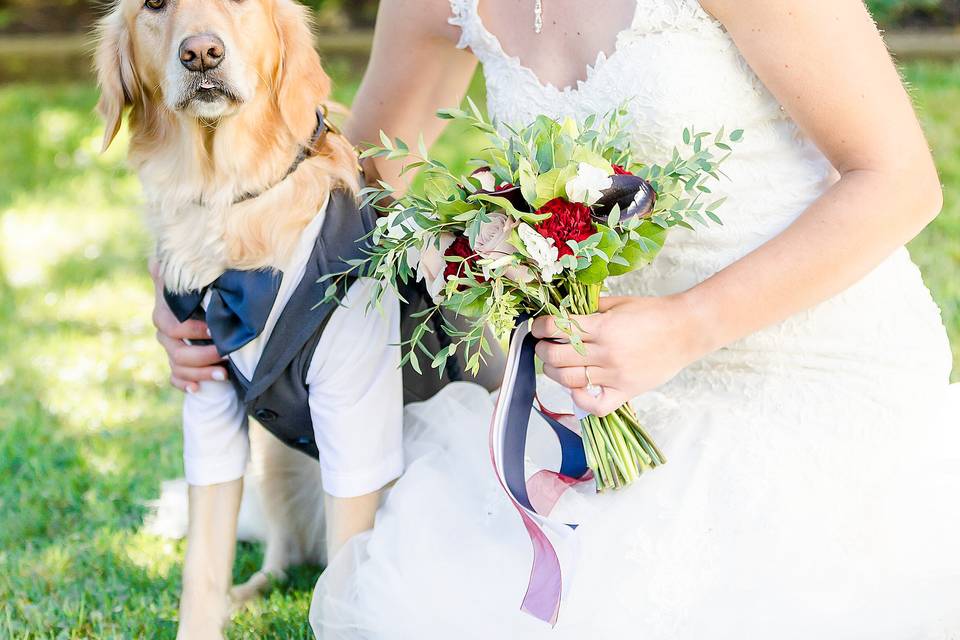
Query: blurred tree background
65, 16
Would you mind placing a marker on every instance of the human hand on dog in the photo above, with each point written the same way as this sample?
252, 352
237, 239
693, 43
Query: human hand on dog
189, 365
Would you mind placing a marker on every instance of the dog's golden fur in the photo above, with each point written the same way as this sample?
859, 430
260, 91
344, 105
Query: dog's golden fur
196, 157
186, 156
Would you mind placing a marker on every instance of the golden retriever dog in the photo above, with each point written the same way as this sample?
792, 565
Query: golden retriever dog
221, 95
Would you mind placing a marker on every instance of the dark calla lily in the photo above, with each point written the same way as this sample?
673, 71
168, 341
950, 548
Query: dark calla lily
513, 194
504, 190
635, 196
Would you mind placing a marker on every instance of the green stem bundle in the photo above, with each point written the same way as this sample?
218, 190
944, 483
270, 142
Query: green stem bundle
618, 449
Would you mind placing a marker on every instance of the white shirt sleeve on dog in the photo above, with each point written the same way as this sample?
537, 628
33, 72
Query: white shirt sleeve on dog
215, 443
356, 395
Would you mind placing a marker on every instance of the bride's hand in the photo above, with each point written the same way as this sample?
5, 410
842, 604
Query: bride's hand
632, 346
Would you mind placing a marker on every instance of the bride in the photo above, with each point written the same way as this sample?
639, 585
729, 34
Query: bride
791, 364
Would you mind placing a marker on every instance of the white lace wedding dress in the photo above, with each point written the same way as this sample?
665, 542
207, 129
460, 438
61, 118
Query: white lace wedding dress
813, 482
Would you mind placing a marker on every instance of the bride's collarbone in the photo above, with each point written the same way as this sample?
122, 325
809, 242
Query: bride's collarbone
573, 37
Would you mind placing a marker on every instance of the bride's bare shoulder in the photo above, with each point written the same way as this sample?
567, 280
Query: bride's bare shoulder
429, 18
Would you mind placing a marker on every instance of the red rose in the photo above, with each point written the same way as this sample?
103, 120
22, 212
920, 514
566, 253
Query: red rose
568, 221
461, 249
620, 171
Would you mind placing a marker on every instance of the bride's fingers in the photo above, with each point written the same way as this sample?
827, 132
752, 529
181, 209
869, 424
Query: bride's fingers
576, 377
565, 355
609, 302
607, 402
545, 327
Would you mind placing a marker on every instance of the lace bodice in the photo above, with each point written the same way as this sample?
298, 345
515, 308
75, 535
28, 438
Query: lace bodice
676, 66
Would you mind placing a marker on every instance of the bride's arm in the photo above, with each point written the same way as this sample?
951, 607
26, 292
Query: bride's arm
826, 63
415, 69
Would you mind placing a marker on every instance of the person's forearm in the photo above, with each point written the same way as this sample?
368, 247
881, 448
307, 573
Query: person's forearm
844, 235
414, 70
370, 115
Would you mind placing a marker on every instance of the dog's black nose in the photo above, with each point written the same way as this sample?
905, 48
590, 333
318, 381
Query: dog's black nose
202, 52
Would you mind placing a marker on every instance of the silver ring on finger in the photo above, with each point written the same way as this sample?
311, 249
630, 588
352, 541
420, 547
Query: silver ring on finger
594, 391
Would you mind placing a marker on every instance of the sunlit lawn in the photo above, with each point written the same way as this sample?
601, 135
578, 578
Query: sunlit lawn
88, 427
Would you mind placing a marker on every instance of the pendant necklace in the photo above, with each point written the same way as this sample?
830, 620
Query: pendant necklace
538, 16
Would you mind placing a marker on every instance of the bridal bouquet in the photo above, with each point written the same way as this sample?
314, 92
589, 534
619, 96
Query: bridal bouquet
548, 213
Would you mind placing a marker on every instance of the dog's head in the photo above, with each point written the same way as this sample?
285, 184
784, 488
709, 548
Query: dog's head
208, 60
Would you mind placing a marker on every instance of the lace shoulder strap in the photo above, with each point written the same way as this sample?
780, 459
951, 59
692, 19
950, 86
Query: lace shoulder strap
473, 34
672, 15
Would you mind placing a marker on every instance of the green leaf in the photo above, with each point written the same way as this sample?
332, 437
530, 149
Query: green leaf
553, 184
415, 362
583, 154
422, 147
469, 303
451, 114
449, 210
614, 218
528, 181
503, 203
640, 252
474, 109
609, 244
737, 135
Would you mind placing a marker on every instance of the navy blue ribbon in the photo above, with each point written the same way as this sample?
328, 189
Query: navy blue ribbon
240, 303
521, 404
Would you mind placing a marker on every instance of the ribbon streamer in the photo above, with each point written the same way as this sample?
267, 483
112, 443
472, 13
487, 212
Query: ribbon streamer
535, 498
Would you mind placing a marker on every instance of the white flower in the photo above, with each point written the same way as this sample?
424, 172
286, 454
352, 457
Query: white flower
488, 182
432, 264
541, 251
587, 186
394, 228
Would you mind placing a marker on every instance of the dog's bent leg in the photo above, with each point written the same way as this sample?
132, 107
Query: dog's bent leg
346, 517
292, 497
208, 567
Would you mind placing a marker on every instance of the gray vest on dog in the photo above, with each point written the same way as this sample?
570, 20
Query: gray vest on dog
278, 395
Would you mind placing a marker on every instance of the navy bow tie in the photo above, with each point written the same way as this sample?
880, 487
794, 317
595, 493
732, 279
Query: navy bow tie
240, 303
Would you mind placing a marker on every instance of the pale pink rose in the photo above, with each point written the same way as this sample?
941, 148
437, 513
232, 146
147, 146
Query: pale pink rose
493, 243
493, 239
432, 264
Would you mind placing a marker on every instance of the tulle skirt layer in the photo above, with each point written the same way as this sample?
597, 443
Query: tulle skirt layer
774, 518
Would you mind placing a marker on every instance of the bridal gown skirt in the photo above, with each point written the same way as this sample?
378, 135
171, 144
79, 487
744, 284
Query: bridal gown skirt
812, 488
809, 493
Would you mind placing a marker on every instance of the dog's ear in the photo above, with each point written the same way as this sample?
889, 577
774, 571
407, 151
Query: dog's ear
301, 83
115, 73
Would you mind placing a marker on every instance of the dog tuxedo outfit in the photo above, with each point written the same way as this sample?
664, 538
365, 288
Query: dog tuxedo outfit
324, 379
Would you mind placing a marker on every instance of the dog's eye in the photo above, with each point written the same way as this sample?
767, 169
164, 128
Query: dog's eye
155, 5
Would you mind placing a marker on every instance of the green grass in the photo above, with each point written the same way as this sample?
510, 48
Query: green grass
88, 426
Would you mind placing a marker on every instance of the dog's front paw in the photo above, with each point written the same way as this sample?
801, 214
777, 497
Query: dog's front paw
203, 618
253, 588
200, 631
